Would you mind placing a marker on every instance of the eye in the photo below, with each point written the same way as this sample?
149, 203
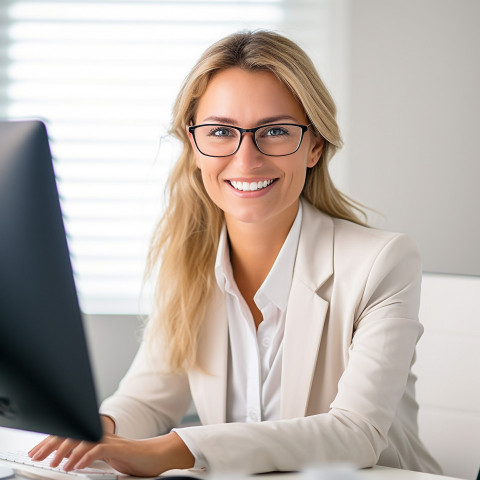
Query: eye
221, 132
275, 131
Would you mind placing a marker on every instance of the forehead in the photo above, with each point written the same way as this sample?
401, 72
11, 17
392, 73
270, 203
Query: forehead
247, 97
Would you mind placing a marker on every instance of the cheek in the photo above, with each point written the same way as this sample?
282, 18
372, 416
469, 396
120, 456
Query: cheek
297, 173
298, 182
210, 181
295, 181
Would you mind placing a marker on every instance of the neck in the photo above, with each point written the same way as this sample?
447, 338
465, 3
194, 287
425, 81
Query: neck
255, 246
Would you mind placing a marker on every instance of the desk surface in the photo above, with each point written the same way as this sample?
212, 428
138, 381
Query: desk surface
17, 440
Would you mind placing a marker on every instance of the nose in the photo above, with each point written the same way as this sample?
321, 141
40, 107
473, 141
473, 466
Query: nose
248, 155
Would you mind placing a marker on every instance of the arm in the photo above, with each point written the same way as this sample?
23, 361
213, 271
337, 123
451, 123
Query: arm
141, 458
108, 424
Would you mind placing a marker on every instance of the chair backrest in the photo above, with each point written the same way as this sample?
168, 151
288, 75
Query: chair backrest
448, 370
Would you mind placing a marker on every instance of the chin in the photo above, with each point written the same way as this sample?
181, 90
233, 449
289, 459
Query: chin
247, 215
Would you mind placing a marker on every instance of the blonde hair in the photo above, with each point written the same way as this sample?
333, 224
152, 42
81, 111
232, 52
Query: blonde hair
183, 249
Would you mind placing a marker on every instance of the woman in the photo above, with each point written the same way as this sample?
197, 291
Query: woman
291, 325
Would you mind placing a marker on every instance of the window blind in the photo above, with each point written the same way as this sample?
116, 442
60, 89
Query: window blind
103, 75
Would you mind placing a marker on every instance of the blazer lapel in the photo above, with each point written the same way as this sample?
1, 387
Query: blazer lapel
306, 311
208, 383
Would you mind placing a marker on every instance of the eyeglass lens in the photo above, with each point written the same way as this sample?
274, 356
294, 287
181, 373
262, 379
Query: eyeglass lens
222, 140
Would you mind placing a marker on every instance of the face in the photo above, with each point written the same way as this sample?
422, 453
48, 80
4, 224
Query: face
250, 99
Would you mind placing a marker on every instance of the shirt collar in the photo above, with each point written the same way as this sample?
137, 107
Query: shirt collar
276, 287
223, 267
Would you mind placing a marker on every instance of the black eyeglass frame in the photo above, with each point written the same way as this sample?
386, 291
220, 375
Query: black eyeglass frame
304, 128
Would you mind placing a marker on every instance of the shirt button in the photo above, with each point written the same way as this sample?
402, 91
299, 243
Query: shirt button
253, 416
266, 342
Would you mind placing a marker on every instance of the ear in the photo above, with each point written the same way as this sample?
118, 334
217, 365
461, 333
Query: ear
315, 151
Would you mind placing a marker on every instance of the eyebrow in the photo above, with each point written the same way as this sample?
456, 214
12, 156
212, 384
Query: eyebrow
262, 121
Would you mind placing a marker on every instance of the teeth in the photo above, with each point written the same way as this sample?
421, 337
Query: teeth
250, 186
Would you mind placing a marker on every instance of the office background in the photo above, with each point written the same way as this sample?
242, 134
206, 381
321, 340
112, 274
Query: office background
405, 76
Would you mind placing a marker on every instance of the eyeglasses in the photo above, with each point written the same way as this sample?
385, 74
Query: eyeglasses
275, 140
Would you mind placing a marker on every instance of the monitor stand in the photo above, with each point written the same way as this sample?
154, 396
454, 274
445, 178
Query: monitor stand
6, 472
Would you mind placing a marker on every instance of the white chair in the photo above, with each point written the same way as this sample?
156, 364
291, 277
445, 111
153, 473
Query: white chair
448, 370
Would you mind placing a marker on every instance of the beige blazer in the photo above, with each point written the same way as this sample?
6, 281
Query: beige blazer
347, 390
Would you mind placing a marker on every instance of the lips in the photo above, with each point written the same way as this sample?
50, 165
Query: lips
250, 186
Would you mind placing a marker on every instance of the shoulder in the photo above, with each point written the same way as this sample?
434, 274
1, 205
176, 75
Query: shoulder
351, 237
356, 265
347, 233
354, 246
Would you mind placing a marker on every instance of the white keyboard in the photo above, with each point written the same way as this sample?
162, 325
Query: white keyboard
21, 459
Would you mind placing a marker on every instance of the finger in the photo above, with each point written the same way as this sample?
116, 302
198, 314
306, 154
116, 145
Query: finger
78, 454
64, 450
87, 453
95, 453
45, 448
39, 445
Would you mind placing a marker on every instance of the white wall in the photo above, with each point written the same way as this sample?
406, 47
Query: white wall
113, 341
413, 123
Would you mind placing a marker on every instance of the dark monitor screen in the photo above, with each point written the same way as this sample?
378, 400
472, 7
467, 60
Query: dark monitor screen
46, 382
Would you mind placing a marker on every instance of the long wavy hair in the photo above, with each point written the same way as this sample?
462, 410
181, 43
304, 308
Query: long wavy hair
183, 248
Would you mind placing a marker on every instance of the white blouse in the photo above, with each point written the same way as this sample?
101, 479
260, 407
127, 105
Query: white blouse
255, 355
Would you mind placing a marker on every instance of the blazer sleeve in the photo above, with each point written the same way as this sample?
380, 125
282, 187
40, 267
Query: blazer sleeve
355, 429
148, 402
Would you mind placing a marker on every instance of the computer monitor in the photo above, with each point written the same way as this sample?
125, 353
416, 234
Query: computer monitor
46, 382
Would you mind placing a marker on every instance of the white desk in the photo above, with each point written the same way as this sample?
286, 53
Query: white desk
18, 440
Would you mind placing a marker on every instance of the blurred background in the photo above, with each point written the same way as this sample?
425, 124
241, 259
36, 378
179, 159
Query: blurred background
103, 75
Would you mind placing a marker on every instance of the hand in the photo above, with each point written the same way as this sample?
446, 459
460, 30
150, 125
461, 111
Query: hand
147, 458
64, 446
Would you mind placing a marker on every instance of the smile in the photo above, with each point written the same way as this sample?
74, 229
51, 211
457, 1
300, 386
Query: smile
250, 186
